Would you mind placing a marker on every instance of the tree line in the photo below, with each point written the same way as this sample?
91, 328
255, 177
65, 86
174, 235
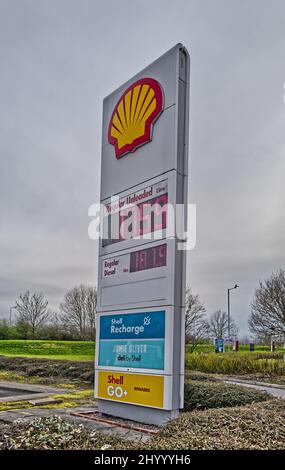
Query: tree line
75, 318
266, 319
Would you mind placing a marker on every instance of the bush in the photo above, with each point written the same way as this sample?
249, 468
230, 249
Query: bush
257, 426
50, 432
237, 363
48, 368
203, 395
7, 331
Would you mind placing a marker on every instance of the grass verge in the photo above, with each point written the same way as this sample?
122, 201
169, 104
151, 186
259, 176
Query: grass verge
69, 400
66, 350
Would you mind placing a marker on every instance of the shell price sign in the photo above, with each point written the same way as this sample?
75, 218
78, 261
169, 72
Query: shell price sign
147, 390
139, 360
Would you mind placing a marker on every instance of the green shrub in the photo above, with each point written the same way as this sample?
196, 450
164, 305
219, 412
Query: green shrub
257, 426
29, 367
204, 395
50, 433
237, 363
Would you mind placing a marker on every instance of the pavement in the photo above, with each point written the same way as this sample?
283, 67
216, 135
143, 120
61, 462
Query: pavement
18, 391
275, 390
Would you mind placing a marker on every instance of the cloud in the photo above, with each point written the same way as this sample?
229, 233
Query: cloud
58, 61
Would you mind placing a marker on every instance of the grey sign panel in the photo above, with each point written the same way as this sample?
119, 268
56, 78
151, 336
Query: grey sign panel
154, 158
163, 153
160, 190
138, 276
140, 327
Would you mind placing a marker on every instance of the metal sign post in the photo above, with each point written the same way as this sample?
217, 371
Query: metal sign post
139, 368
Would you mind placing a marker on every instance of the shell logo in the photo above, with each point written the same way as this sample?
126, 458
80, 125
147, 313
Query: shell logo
134, 115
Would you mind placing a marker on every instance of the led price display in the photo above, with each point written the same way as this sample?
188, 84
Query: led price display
143, 218
148, 258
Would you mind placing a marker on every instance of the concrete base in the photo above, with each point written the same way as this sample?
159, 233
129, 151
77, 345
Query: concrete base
141, 414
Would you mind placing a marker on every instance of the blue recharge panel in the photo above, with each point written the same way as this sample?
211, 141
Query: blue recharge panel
143, 325
132, 340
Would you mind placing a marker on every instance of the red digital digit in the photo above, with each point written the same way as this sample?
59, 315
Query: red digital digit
123, 218
129, 223
145, 218
153, 260
136, 222
159, 212
143, 260
162, 254
134, 262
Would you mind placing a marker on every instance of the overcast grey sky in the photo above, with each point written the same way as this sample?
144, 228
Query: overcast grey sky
59, 58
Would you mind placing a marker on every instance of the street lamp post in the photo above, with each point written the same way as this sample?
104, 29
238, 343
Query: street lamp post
11, 314
229, 316
271, 345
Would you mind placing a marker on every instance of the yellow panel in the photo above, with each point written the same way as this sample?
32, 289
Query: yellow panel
128, 108
145, 105
139, 389
143, 93
136, 91
115, 133
121, 113
151, 107
118, 123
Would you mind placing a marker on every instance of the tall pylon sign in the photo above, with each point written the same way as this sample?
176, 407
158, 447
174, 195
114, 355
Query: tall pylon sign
139, 366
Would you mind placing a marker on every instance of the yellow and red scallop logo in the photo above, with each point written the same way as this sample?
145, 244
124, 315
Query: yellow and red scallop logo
134, 115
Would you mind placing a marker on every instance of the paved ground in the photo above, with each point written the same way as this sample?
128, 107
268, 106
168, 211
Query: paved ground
15, 391
274, 389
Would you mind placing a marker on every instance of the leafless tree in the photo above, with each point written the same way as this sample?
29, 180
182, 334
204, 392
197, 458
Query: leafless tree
32, 311
267, 315
78, 310
91, 306
196, 326
218, 325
